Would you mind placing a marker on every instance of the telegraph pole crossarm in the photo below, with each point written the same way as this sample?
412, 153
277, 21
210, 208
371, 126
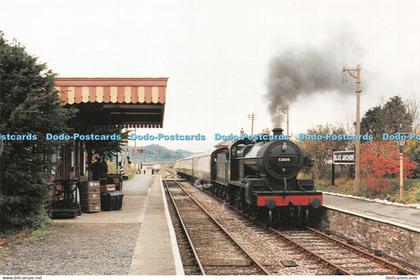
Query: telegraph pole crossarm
252, 118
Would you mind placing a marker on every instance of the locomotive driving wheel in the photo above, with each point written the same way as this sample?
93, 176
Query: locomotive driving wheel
226, 195
247, 211
253, 213
237, 202
217, 191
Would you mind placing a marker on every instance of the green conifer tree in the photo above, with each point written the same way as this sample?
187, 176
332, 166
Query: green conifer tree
29, 104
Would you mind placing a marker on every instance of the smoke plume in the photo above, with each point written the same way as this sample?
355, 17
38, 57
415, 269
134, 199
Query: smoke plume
307, 71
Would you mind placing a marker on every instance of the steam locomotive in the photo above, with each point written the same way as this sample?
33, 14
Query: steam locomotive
256, 177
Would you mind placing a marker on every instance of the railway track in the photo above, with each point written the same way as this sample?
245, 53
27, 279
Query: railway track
215, 251
340, 256
327, 251
266, 248
167, 173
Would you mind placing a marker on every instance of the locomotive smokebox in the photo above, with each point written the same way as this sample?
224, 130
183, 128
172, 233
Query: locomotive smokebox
277, 131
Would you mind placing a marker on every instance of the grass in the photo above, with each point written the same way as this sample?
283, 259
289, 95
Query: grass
41, 232
15, 236
345, 186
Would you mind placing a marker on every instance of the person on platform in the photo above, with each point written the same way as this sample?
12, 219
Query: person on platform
103, 167
96, 167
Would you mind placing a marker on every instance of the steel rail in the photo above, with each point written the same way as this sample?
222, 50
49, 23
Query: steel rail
335, 267
184, 229
397, 269
168, 173
381, 261
259, 265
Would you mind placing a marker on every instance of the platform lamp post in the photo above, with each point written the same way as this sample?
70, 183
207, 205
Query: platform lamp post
401, 143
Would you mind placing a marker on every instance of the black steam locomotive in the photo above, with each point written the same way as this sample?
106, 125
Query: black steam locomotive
257, 177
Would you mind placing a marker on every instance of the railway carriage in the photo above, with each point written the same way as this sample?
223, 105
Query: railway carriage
257, 177
195, 167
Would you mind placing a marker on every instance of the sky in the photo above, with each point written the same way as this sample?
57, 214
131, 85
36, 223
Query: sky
217, 53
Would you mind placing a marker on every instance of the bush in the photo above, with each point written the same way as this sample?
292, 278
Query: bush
379, 163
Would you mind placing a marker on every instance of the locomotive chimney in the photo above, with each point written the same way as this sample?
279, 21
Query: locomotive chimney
277, 131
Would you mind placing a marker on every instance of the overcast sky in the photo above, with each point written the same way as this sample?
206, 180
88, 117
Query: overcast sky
216, 53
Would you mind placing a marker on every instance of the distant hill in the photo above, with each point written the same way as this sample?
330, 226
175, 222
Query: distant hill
156, 153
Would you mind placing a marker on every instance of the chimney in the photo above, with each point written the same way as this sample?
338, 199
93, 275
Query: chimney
277, 131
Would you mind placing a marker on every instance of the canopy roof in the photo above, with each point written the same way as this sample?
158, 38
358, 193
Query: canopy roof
128, 102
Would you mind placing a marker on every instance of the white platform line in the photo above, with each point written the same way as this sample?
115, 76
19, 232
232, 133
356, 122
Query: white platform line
175, 250
376, 200
138, 245
146, 203
358, 214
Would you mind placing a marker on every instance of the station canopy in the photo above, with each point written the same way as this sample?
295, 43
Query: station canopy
124, 102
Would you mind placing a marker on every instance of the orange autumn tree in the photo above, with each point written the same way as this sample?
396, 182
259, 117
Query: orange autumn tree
380, 161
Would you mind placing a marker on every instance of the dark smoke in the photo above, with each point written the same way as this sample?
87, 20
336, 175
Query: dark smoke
307, 71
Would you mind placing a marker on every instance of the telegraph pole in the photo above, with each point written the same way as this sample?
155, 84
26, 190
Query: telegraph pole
252, 118
355, 73
287, 120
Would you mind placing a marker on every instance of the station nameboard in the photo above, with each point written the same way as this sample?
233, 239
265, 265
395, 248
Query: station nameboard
343, 157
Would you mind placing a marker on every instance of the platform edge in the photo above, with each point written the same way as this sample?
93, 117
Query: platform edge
358, 214
179, 268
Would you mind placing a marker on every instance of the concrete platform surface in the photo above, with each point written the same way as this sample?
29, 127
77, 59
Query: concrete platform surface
391, 214
136, 191
156, 250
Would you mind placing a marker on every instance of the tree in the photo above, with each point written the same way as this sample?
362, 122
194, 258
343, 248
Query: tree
380, 162
319, 151
106, 149
412, 146
373, 122
413, 111
29, 105
387, 118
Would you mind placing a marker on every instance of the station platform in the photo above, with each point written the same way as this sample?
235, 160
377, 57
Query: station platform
155, 251
404, 217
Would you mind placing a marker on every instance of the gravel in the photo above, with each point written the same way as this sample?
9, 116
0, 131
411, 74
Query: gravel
264, 246
187, 256
270, 249
218, 254
72, 249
